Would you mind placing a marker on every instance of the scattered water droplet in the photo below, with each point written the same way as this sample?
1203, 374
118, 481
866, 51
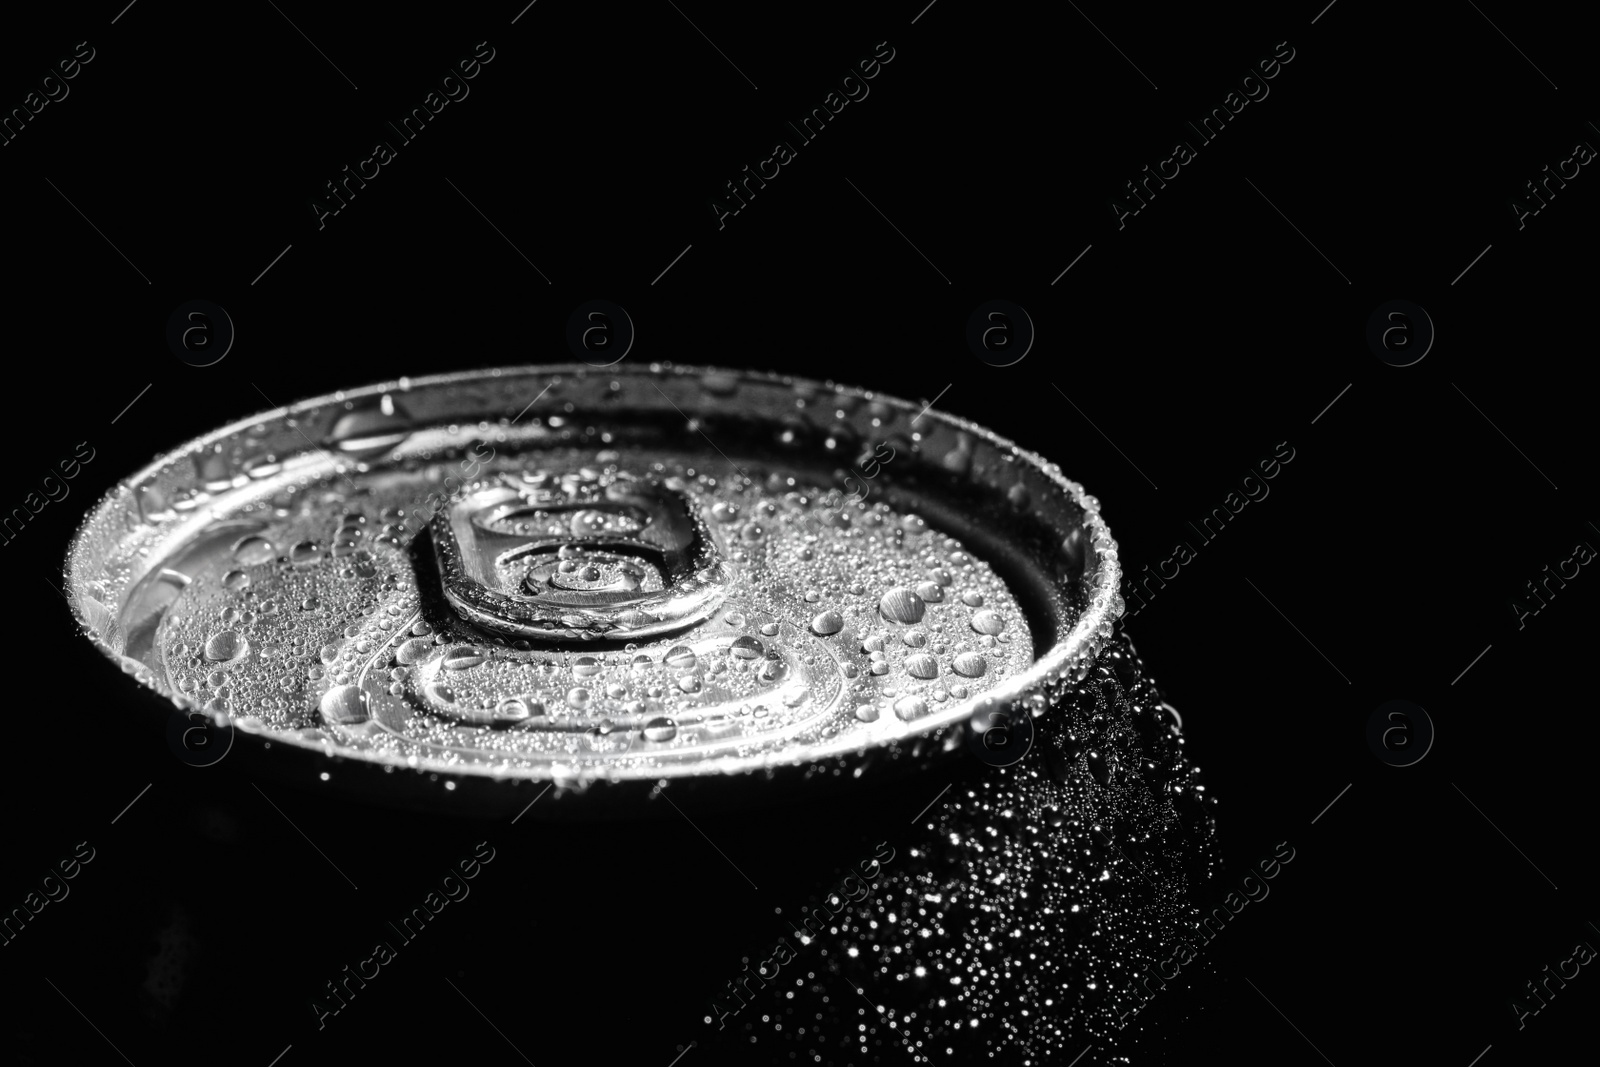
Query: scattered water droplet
910, 708
226, 647
747, 647
987, 621
969, 664
344, 704
371, 429
827, 623
512, 709
463, 657
410, 652
253, 551
660, 729
922, 666
902, 606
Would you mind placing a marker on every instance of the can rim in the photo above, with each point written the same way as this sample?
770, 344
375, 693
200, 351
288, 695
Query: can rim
1078, 640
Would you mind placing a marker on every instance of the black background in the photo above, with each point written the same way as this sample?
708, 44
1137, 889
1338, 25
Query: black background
1199, 336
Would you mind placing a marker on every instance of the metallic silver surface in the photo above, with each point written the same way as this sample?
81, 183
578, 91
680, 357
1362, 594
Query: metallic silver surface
570, 575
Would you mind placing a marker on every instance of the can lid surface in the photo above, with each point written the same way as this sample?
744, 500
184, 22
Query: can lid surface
571, 575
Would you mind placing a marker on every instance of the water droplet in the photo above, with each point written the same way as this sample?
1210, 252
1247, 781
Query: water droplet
930, 591
914, 638
254, 550
922, 665
226, 647
724, 511
463, 657
902, 605
410, 652
371, 429
769, 629
577, 697
747, 647
969, 664
585, 667
972, 599
689, 683
682, 658
987, 621
910, 708
660, 729
867, 712
512, 709
344, 704
752, 531
305, 553
236, 580
827, 623
153, 507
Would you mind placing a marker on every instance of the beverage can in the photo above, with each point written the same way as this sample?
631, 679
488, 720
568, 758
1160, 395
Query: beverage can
463, 592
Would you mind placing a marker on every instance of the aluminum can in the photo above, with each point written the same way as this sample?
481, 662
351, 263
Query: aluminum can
623, 586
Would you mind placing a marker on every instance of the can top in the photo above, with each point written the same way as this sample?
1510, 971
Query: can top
567, 574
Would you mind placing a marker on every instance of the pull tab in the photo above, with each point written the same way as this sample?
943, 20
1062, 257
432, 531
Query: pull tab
576, 557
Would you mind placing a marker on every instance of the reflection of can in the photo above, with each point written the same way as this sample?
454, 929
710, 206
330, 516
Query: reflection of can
642, 582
